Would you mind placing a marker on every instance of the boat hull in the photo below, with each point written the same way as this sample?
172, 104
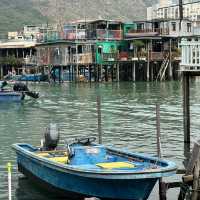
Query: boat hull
11, 96
77, 186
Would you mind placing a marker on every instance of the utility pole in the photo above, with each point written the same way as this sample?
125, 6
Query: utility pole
180, 13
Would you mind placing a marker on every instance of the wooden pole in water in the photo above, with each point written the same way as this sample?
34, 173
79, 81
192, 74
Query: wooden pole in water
99, 119
170, 59
158, 130
1, 72
148, 60
9, 168
162, 191
133, 71
186, 107
117, 71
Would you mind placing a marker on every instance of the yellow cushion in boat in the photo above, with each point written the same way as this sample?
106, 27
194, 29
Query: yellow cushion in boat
60, 159
63, 160
115, 165
43, 154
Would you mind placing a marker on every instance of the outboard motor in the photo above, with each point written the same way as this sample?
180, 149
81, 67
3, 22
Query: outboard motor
51, 138
21, 87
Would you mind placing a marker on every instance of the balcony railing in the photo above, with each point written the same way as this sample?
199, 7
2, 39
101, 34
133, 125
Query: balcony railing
73, 34
148, 32
156, 55
109, 57
82, 58
102, 34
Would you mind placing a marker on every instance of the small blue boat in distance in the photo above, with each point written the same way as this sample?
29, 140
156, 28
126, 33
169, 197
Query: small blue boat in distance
18, 93
84, 169
11, 96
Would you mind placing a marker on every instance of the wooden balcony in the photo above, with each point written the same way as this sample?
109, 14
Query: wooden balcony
147, 33
83, 58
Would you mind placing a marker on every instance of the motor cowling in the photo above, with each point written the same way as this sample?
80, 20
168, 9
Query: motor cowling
20, 87
51, 137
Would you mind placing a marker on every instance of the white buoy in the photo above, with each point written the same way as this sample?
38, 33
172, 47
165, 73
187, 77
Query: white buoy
9, 168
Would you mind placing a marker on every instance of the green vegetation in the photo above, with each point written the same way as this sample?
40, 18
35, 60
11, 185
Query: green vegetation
14, 14
11, 60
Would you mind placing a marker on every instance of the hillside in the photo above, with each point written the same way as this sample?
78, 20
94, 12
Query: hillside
16, 13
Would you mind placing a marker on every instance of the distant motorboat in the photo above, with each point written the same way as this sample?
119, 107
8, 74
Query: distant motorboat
18, 93
9, 96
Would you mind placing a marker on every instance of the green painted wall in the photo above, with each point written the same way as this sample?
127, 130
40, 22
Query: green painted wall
129, 26
109, 47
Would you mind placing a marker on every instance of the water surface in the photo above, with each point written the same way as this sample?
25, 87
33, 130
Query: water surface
128, 121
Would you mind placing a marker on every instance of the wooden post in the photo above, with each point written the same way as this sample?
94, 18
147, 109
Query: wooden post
186, 107
170, 59
1, 71
49, 73
62, 79
152, 71
162, 190
9, 168
148, 61
192, 168
101, 72
118, 78
195, 188
158, 130
133, 71
99, 119
106, 73
89, 73
77, 61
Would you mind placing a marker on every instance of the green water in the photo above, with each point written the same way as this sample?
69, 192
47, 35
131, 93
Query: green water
128, 121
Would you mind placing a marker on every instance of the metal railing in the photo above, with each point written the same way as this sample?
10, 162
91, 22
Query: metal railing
103, 34
156, 31
72, 34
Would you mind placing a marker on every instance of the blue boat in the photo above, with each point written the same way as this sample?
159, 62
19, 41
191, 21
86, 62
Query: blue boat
17, 94
84, 169
10, 96
33, 77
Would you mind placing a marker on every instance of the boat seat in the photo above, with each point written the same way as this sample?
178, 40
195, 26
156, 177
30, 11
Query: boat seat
116, 165
53, 157
63, 160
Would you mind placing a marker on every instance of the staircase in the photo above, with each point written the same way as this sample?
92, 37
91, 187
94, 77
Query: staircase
163, 68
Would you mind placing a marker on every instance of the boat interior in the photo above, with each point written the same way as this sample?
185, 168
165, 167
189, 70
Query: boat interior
96, 157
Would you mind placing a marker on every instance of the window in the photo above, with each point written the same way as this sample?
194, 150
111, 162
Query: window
176, 13
172, 14
165, 13
189, 27
173, 26
100, 50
